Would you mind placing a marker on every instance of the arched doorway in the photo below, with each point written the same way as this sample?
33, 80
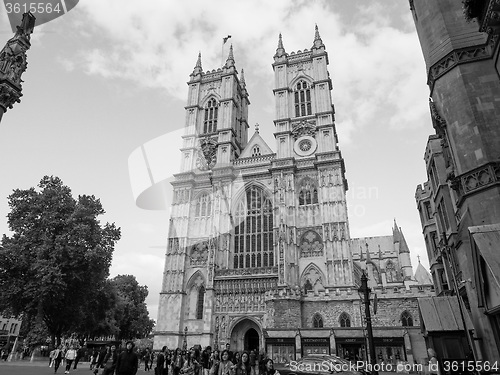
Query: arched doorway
246, 335
251, 340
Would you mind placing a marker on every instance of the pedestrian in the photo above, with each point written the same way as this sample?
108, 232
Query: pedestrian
215, 361
128, 361
433, 362
58, 356
236, 358
79, 355
147, 360
177, 361
109, 362
160, 362
243, 366
225, 366
70, 357
51, 357
206, 360
269, 367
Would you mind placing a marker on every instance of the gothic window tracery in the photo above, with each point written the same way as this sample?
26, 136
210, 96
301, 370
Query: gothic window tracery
390, 272
311, 244
211, 113
345, 320
308, 192
317, 321
203, 206
253, 236
302, 98
200, 302
406, 319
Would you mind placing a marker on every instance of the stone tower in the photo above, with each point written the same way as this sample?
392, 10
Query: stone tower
259, 253
460, 45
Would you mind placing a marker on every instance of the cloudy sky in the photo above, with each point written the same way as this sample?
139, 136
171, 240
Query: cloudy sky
107, 83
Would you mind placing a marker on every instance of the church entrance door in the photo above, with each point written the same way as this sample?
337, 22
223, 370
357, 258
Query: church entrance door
251, 341
246, 335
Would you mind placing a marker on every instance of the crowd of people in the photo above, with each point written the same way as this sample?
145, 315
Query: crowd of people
207, 362
195, 361
105, 362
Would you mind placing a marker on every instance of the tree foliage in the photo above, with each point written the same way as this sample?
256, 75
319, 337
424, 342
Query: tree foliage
57, 260
131, 313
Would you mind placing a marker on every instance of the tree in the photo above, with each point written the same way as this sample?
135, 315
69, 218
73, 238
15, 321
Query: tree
58, 257
131, 313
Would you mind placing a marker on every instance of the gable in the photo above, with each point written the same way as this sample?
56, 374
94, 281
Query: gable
256, 141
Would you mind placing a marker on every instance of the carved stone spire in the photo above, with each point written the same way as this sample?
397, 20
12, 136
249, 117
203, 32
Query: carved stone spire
230, 58
318, 43
280, 51
197, 68
13, 63
242, 79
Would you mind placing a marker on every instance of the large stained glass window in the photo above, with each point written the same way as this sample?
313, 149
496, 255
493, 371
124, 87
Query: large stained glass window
253, 234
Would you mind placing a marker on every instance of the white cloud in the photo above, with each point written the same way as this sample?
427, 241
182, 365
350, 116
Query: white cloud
155, 44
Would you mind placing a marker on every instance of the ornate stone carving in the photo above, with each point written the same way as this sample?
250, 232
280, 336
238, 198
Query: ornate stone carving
311, 244
207, 155
198, 254
303, 128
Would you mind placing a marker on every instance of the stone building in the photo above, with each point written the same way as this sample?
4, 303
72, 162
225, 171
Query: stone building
259, 252
13, 63
460, 203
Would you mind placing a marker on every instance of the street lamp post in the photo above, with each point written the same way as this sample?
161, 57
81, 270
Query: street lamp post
364, 293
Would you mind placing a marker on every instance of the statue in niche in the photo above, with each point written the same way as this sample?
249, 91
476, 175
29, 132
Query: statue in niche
307, 286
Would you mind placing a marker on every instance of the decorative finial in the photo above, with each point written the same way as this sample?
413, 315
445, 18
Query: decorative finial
197, 68
230, 57
418, 257
242, 79
280, 51
318, 43
256, 127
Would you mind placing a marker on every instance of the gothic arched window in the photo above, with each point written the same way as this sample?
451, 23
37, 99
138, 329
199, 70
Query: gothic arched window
345, 320
406, 319
302, 99
210, 121
203, 206
253, 236
390, 272
317, 321
308, 192
201, 300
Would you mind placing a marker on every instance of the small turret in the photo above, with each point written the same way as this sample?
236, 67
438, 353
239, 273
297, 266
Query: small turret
230, 58
280, 51
197, 68
318, 43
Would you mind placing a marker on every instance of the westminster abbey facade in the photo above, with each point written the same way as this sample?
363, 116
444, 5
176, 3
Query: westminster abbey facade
259, 253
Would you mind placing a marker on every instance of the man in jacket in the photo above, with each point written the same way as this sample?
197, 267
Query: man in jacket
128, 361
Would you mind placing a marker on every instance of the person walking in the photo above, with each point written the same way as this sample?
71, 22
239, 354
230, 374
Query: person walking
128, 361
70, 357
58, 356
79, 355
177, 361
147, 360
